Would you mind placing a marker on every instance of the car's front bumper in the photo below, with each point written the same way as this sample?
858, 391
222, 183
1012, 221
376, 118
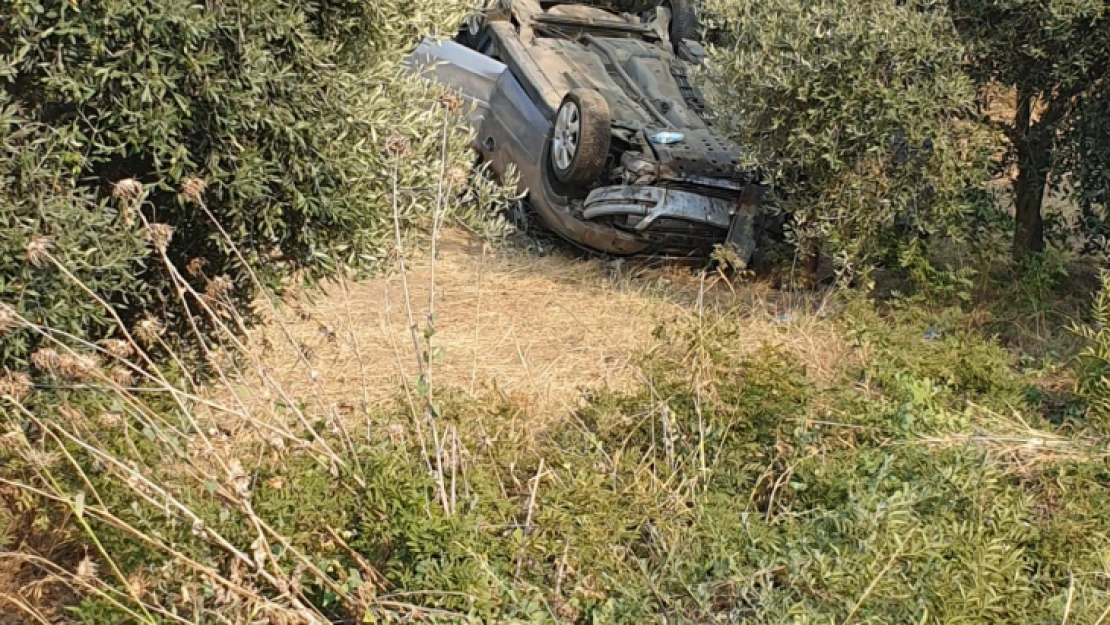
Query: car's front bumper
646, 205
639, 208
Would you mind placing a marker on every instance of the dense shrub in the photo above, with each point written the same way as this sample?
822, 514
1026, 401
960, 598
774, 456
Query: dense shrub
1093, 363
860, 114
273, 115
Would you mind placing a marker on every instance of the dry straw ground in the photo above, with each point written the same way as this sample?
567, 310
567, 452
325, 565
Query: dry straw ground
541, 328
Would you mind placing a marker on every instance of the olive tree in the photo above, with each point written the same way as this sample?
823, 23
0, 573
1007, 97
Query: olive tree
860, 114
263, 134
1055, 57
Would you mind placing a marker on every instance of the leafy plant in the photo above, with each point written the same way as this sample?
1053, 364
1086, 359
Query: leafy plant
1093, 363
860, 115
278, 124
1054, 56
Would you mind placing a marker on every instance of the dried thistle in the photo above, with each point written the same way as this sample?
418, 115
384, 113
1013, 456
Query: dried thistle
218, 287
159, 236
239, 479
456, 177
45, 359
139, 584
38, 250
118, 348
397, 146
450, 102
15, 384
196, 266
110, 419
127, 189
8, 319
86, 570
41, 459
260, 550
77, 367
149, 329
122, 376
192, 189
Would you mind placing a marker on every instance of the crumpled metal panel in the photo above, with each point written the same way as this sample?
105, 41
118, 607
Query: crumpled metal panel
653, 203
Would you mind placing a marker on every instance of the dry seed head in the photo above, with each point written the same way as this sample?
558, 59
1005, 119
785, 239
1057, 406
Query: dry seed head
195, 268
456, 177
110, 419
139, 584
397, 145
122, 376
239, 478
127, 189
41, 459
38, 250
86, 570
118, 348
159, 236
260, 550
77, 367
15, 384
192, 189
450, 102
45, 359
149, 329
218, 287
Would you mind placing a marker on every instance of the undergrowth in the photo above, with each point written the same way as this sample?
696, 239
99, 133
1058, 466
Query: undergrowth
923, 486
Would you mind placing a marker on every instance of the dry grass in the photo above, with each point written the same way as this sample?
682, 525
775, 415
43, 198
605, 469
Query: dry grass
541, 328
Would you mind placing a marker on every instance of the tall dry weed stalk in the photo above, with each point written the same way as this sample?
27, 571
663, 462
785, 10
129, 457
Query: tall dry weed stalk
207, 432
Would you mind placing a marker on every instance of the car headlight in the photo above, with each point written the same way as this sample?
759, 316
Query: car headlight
667, 137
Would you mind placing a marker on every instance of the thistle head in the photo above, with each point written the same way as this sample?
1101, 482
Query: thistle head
159, 236
38, 250
192, 189
397, 146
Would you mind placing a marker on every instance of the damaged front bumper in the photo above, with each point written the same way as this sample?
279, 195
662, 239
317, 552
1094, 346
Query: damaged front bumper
642, 207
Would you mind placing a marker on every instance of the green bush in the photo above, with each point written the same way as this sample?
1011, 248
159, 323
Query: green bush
859, 113
1092, 371
270, 117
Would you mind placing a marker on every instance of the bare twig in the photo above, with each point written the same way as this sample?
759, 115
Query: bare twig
528, 519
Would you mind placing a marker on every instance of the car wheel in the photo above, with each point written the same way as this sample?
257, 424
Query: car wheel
580, 138
684, 21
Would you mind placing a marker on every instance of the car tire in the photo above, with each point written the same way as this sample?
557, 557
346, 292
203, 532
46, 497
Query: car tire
580, 138
684, 21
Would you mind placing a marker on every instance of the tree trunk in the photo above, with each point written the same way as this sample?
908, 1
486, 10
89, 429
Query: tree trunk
1034, 150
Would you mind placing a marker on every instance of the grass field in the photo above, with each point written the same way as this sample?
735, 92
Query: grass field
580, 441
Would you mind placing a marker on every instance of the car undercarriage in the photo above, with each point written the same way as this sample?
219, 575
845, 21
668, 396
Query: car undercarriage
596, 115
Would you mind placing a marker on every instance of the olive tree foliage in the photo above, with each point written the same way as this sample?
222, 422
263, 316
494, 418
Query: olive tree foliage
266, 133
1085, 155
1055, 56
858, 112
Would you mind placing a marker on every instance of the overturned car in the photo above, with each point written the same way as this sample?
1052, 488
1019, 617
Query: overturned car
595, 112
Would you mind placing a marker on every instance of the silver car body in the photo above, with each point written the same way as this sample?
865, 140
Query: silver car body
676, 198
